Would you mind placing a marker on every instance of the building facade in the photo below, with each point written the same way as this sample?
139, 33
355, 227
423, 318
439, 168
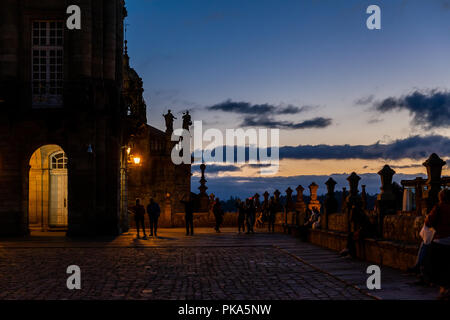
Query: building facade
63, 118
157, 176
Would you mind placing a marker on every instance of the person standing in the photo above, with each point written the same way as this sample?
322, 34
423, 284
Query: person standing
189, 216
153, 211
251, 212
241, 216
139, 217
218, 214
272, 215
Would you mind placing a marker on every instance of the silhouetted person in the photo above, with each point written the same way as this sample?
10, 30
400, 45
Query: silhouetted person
241, 216
139, 217
439, 220
153, 211
187, 122
189, 215
273, 209
265, 212
360, 225
314, 219
251, 215
218, 214
169, 117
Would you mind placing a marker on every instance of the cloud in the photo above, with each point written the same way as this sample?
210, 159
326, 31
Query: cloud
290, 109
430, 109
216, 169
414, 147
263, 115
269, 122
374, 121
365, 100
257, 109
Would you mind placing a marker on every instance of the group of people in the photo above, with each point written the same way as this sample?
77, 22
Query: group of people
246, 215
153, 211
251, 213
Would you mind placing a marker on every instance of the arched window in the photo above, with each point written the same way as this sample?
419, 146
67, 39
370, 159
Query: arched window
59, 161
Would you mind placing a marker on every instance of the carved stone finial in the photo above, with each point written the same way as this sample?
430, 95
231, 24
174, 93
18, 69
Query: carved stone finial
353, 181
277, 195
313, 203
434, 166
330, 185
386, 175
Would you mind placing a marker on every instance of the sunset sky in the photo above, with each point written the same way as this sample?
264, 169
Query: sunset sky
311, 69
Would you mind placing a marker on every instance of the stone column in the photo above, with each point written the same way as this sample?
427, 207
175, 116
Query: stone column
300, 206
289, 202
434, 166
289, 208
167, 219
313, 203
364, 197
407, 199
331, 205
203, 196
386, 199
353, 200
344, 200
418, 185
277, 195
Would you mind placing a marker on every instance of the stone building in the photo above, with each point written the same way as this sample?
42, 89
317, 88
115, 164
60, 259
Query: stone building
63, 119
151, 172
155, 176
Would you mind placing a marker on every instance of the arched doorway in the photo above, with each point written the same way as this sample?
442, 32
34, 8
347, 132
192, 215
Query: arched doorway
48, 190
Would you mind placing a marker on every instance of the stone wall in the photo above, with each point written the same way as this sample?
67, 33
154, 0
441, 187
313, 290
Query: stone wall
402, 227
337, 222
381, 252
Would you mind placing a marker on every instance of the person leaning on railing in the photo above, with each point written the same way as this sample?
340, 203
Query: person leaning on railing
437, 260
439, 218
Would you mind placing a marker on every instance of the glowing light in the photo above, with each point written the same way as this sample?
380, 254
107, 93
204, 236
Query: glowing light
137, 160
128, 150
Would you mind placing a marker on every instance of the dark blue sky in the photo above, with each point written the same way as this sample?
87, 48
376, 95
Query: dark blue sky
193, 54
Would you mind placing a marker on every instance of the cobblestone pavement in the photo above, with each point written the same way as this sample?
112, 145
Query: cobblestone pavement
206, 266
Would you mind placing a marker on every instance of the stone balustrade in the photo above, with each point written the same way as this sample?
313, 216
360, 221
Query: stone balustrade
391, 232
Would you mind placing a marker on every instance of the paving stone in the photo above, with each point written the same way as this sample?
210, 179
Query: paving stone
175, 267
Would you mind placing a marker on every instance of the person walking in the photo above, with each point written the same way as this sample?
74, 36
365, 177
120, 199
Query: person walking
153, 211
189, 216
251, 212
218, 214
241, 216
139, 218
